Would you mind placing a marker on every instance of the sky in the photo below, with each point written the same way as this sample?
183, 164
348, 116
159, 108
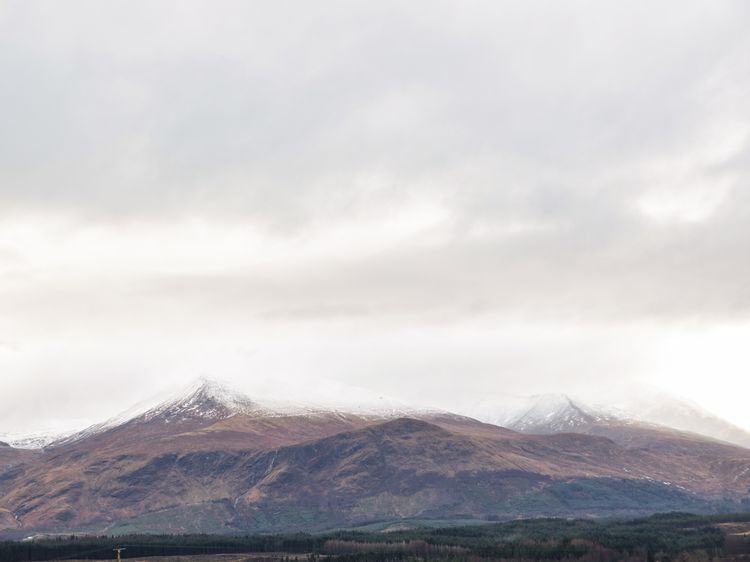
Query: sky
437, 201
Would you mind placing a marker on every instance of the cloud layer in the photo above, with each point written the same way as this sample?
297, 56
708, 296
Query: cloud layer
340, 173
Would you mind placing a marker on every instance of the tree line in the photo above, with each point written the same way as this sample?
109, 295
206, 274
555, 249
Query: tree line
659, 537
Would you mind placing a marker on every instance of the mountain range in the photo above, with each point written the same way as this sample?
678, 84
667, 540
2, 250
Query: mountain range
210, 459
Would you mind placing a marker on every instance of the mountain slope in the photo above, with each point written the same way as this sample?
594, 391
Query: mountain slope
394, 469
408, 468
84, 477
214, 460
11, 457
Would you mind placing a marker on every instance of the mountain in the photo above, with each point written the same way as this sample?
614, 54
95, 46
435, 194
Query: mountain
12, 463
555, 413
624, 419
10, 457
210, 459
654, 406
37, 440
84, 478
409, 468
207, 402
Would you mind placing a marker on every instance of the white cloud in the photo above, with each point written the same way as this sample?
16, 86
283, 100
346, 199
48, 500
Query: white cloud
685, 204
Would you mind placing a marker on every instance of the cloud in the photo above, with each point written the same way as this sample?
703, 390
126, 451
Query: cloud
282, 115
9, 346
191, 172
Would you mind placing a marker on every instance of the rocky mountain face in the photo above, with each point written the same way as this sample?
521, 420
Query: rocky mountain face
213, 460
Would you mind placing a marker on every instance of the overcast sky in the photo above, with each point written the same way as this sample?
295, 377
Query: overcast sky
439, 201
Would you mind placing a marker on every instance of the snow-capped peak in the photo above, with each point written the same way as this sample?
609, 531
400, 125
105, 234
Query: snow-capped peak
548, 413
638, 405
203, 399
207, 399
210, 400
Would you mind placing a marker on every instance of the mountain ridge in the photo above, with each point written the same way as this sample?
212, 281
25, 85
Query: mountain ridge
213, 400
212, 459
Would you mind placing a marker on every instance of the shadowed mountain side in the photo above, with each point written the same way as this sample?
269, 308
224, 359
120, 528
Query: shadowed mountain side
408, 468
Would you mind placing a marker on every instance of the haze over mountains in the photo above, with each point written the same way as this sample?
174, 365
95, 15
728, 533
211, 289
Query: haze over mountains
554, 413
213, 459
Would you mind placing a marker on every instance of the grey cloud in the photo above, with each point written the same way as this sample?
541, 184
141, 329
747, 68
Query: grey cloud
561, 274
278, 114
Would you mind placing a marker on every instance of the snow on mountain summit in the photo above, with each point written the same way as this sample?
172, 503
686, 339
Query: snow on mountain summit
545, 413
207, 399
203, 399
553, 413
